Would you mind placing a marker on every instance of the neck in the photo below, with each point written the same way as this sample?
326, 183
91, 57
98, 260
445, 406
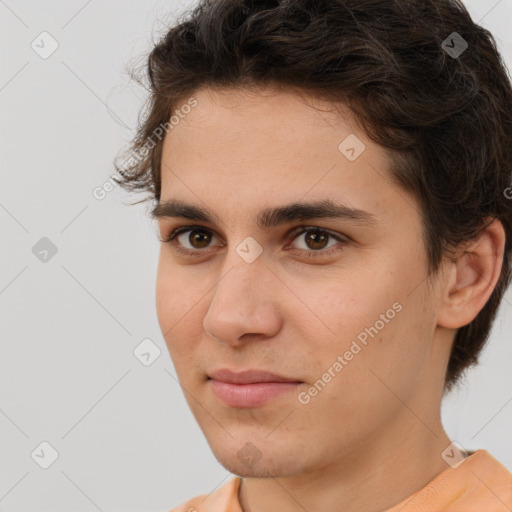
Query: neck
371, 477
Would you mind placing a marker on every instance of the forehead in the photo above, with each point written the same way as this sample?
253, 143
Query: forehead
246, 109
265, 123
245, 146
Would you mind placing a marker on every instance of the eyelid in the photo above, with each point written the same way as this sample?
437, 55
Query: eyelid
299, 230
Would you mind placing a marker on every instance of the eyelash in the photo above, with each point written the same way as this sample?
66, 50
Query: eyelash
191, 253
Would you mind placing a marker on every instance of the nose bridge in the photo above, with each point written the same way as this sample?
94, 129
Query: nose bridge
241, 301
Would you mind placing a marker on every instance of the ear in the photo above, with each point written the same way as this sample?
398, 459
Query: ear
472, 277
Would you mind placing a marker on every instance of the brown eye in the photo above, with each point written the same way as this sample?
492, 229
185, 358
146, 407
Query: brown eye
192, 239
316, 239
315, 242
199, 239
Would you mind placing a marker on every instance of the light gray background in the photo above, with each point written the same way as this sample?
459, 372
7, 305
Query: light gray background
125, 438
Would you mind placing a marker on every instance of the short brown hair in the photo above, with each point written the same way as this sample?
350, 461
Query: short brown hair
446, 118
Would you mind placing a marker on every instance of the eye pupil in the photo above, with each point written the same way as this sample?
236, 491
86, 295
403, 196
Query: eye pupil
316, 236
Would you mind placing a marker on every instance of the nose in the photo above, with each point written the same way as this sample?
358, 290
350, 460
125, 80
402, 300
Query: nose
245, 304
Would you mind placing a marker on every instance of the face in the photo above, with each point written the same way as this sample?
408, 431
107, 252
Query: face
337, 305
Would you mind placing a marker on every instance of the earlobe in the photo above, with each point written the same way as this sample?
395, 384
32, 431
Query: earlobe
472, 277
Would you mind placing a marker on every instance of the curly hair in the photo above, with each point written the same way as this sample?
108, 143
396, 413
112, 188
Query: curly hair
445, 117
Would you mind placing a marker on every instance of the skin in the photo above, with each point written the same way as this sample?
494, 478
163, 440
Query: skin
373, 435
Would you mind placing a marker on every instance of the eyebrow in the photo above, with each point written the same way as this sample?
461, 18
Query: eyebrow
270, 217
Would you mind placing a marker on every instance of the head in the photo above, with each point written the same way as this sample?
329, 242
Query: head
264, 116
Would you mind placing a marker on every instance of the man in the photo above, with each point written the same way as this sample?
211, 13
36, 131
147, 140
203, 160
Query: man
331, 196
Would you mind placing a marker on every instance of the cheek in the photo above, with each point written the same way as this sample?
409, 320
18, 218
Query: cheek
166, 288
343, 306
368, 319
176, 292
180, 302
174, 302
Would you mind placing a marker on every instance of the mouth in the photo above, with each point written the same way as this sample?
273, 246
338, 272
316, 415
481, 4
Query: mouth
250, 388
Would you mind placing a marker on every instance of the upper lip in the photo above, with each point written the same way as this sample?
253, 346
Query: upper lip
248, 376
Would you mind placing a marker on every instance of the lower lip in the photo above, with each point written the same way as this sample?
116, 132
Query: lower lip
250, 395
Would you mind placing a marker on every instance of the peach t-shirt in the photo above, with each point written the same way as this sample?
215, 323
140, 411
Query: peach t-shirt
478, 484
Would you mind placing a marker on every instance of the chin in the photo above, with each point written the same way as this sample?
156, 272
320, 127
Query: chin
249, 461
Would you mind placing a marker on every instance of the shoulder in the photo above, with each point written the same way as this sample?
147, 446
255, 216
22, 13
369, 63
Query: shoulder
485, 485
224, 499
497, 477
478, 483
